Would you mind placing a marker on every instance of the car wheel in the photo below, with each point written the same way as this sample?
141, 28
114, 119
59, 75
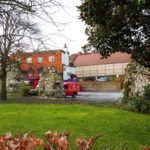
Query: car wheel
73, 95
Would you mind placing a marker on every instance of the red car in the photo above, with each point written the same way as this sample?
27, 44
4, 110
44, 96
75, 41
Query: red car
71, 89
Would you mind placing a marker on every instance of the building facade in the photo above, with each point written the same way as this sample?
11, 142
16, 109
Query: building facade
92, 64
33, 63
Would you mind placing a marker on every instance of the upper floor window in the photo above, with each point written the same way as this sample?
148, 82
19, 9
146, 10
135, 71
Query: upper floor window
29, 60
51, 59
40, 59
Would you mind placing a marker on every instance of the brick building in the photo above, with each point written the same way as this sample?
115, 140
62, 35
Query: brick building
32, 63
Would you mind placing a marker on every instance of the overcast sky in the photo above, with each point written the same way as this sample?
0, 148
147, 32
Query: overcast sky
72, 33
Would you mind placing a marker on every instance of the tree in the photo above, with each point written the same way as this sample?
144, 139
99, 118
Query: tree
30, 5
25, 5
42, 9
17, 28
118, 25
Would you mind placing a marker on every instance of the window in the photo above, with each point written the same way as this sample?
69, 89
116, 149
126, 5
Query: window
29, 60
40, 59
51, 59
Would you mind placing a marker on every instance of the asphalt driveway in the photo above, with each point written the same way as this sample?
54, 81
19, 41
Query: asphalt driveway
99, 96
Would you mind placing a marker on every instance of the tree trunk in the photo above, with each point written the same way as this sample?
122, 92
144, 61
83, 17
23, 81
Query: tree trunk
3, 77
0, 88
3, 93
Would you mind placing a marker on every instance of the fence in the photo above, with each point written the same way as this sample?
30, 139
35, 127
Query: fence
105, 86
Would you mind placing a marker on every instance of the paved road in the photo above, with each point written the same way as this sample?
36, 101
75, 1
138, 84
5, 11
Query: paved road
99, 96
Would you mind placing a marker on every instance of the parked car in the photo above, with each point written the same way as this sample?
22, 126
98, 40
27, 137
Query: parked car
103, 79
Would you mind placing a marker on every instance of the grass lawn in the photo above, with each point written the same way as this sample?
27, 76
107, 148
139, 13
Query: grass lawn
120, 126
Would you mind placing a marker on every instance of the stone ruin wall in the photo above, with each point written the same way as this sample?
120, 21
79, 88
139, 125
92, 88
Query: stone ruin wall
136, 77
51, 83
12, 83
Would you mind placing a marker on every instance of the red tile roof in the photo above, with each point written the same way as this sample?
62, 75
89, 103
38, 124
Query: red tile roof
73, 57
88, 59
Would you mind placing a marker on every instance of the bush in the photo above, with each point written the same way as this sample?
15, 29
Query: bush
139, 103
136, 104
146, 94
25, 88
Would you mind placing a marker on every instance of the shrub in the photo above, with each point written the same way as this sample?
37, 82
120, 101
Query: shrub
139, 103
136, 104
25, 88
146, 94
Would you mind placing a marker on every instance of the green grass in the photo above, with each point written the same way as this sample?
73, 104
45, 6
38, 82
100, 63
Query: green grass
119, 126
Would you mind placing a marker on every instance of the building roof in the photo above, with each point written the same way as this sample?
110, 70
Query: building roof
38, 52
73, 57
88, 59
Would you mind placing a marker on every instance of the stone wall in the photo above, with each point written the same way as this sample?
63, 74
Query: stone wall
136, 77
101, 86
13, 76
51, 83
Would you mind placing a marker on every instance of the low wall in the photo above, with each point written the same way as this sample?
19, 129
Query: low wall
97, 86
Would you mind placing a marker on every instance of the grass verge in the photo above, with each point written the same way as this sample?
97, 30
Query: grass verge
120, 126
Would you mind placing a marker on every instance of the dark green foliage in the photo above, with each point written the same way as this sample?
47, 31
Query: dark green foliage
139, 103
115, 25
146, 94
25, 88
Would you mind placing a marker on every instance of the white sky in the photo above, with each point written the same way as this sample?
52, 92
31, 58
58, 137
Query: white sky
72, 33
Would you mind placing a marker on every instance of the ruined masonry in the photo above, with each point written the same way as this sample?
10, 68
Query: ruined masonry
51, 83
12, 83
136, 77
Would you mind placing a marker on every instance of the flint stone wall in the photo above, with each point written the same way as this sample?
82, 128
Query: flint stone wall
51, 83
136, 77
12, 83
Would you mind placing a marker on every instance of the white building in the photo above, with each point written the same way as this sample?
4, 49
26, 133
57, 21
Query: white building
91, 64
67, 70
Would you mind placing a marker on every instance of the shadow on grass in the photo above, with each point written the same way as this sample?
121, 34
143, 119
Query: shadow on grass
18, 99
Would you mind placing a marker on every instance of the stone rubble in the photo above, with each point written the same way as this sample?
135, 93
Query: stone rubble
136, 77
13, 77
51, 83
